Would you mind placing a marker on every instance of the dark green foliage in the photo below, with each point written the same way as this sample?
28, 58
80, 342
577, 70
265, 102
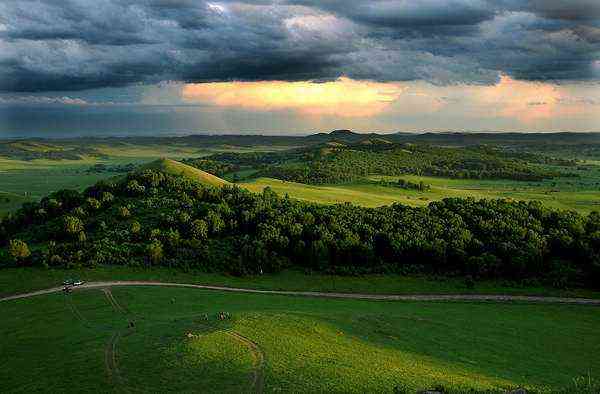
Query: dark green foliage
101, 168
176, 222
214, 167
404, 184
18, 250
72, 225
349, 163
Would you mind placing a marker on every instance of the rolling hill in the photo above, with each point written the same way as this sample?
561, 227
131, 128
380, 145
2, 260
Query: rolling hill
173, 167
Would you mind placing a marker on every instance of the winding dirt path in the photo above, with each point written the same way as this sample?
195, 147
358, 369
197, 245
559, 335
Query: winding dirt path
354, 296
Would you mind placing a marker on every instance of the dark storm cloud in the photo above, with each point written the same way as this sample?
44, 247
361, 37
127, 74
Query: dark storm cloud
48, 45
575, 10
402, 14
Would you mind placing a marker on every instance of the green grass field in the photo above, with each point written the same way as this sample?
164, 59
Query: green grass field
22, 181
82, 343
562, 196
31, 180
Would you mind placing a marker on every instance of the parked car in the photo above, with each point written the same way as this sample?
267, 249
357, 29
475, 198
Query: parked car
73, 282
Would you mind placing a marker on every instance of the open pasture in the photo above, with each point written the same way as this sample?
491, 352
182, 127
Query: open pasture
582, 195
287, 344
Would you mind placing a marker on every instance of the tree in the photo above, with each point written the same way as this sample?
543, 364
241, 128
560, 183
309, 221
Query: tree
72, 225
199, 229
134, 188
93, 204
107, 197
18, 249
124, 212
155, 252
136, 227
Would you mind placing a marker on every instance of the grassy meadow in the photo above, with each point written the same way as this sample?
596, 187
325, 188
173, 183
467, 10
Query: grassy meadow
287, 344
27, 180
30, 180
582, 194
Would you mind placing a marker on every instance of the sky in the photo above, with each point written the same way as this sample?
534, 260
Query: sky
99, 67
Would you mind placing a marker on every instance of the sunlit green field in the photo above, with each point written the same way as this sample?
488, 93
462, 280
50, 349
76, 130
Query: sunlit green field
31, 180
83, 343
22, 181
579, 194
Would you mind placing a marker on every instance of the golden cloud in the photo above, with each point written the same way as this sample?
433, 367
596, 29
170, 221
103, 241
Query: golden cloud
344, 97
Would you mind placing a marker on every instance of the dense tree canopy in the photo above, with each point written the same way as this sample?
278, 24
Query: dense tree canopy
173, 221
338, 163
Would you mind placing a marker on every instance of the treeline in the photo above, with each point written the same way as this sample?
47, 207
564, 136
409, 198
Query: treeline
339, 164
404, 184
155, 219
102, 168
217, 168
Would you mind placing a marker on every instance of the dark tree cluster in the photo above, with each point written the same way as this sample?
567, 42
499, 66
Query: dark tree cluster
404, 184
217, 168
101, 168
350, 163
151, 218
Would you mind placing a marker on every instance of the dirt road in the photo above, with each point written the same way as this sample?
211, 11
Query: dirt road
355, 296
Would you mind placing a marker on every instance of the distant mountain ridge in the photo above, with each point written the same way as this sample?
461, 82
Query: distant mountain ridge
344, 136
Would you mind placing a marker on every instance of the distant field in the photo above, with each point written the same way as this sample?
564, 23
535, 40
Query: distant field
27, 180
287, 344
582, 195
30, 180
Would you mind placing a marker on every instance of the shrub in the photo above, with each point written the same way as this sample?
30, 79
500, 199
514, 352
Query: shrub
18, 249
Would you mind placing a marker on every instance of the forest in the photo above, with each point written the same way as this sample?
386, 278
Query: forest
151, 218
340, 163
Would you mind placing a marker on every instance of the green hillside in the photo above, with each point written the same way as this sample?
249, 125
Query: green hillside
173, 167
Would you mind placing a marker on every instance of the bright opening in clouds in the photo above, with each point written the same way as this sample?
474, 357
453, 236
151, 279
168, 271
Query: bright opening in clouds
344, 97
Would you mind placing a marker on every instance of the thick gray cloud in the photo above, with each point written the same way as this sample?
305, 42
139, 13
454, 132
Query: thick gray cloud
48, 45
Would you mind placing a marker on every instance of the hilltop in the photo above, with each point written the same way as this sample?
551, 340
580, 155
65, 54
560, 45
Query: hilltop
173, 167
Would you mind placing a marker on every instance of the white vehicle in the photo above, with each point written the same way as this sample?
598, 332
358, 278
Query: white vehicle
78, 283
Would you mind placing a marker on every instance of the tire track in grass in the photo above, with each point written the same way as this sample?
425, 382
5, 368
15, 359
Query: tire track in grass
111, 361
110, 349
110, 358
258, 360
258, 356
